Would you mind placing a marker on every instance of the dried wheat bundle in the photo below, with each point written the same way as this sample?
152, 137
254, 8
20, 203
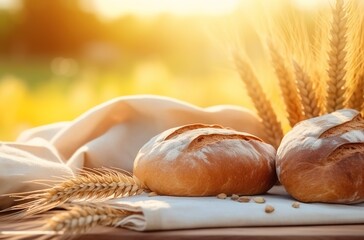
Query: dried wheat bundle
307, 92
263, 106
317, 64
95, 184
287, 86
336, 84
79, 218
74, 220
341, 55
355, 74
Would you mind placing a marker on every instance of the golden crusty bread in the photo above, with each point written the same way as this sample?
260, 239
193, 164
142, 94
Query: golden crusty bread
205, 160
322, 159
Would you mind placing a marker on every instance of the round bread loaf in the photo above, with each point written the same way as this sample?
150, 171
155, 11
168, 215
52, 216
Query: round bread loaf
322, 159
205, 160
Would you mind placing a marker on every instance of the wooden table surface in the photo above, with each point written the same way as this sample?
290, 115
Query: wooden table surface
328, 232
255, 233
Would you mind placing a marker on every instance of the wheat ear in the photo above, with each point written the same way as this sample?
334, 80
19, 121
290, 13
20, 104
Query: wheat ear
79, 218
75, 219
307, 92
95, 184
265, 111
287, 86
356, 99
355, 74
336, 88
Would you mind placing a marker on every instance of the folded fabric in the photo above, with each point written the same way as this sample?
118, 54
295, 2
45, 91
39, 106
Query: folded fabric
20, 164
165, 213
108, 135
111, 134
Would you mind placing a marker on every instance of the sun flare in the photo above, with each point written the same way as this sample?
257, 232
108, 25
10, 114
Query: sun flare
113, 8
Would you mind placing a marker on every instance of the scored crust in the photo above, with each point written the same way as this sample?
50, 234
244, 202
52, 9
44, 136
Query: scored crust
203, 160
322, 159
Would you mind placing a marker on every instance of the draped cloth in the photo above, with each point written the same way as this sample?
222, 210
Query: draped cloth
166, 213
108, 135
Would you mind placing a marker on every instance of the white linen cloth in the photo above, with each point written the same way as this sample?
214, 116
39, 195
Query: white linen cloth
108, 135
166, 213
111, 134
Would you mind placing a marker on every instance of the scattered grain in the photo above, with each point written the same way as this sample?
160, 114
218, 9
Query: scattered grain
244, 199
259, 199
152, 194
295, 204
234, 197
221, 196
269, 209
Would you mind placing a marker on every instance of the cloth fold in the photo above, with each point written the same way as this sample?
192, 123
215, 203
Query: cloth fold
167, 213
108, 135
111, 134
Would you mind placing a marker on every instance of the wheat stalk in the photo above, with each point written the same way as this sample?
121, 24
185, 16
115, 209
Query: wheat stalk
318, 83
318, 63
79, 218
355, 74
74, 220
356, 98
336, 89
264, 108
307, 92
96, 184
287, 86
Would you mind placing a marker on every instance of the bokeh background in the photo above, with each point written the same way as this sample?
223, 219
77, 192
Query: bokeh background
59, 58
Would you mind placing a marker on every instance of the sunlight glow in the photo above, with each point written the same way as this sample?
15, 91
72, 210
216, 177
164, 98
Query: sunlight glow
9, 4
309, 4
113, 8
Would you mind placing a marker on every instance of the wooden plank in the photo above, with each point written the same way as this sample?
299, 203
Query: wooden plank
332, 232
325, 232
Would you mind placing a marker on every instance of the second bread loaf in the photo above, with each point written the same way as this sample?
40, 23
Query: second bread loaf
322, 159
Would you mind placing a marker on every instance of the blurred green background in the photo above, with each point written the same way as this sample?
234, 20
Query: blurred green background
58, 58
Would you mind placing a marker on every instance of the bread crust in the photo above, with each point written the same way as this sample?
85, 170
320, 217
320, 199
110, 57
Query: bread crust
322, 159
205, 160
